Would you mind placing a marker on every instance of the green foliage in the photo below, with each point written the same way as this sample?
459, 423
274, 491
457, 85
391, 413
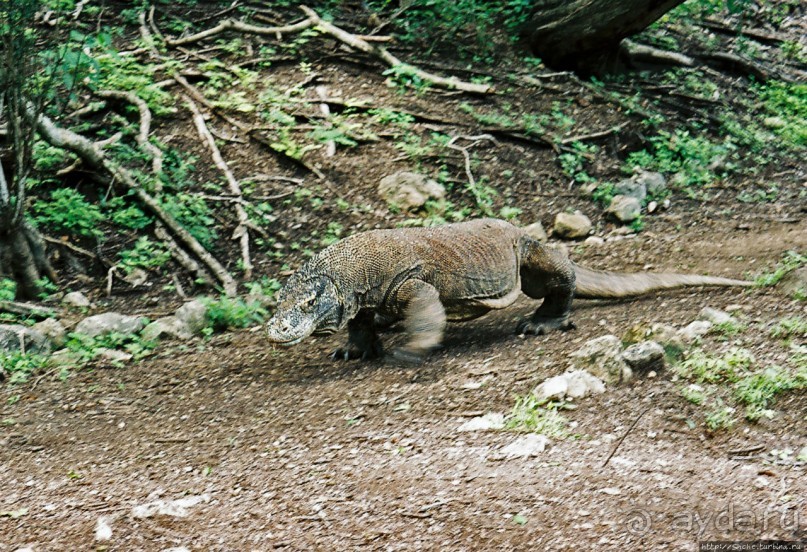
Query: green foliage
758, 390
227, 312
787, 102
691, 158
790, 262
194, 214
49, 159
333, 233
706, 368
531, 414
20, 366
573, 162
694, 394
144, 254
789, 327
8, 290
128, 216
720, 417
509, 213
728, 328
85, 349
68, 211
265, 286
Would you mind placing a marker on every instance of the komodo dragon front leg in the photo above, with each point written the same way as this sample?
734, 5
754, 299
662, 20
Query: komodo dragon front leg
362, 339
546, 274
424, 319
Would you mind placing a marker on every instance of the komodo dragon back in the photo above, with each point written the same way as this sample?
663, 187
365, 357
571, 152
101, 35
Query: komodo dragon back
601, 284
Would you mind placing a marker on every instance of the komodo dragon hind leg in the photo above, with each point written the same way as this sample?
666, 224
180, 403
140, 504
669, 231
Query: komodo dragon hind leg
546, 274
424, 320
362, 340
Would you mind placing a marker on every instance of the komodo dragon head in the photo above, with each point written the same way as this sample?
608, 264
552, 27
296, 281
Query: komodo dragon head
307, 304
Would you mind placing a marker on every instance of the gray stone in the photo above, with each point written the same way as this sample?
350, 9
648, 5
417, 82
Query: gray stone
631, 188
602, 358
715, 316
193, 315
112, 356
76, 299
536, 231
794, 282
409, 191
491, 421
644, 355
624, 208
110, 322
694, 331
594, 240
53, 330
654, 182
15, 337
525, 446
575, 384
571, 225
168, 326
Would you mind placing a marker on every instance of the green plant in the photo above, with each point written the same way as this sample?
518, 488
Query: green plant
720, 417
694, 394
194, 214
19, 366
790, 262
788, 327
573, 162
758, 390
531, 414
333, 233
68, 211
509, 213
227, 312
728, 328
705, 368
144, 254
8, 289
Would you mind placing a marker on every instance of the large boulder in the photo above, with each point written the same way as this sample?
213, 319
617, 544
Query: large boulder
409, 191
602, 358
15, 337
110, 322
571, 226
624, 208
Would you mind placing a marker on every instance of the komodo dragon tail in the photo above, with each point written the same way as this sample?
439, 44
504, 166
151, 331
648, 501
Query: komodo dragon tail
598, 284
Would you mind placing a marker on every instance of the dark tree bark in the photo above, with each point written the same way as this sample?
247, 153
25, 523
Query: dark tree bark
584, 35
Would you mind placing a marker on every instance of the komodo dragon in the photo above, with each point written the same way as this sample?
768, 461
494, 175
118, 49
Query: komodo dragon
425, 276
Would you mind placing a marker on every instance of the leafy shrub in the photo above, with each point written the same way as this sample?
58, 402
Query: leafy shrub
68, 211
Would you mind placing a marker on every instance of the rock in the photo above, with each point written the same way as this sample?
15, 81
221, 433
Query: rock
173, 508
76, 299
774, 122
53, 330
644, 355
493, 420
694, 331
103, 532
168, 326
631, 188
601, 358
110, 322
576, 384
536, 231
552, 388
571, 225
715, 316
113, 356
624, 208
525, 446
652, 207
65, 358
582, 384
409, 191
15, 337
193, 315
653, 182
594, 240
136, 277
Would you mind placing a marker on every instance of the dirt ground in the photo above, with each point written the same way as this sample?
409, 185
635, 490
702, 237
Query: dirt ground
290, 450
293, 451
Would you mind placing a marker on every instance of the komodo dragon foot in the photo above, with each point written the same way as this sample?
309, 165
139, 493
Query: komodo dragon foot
542, 325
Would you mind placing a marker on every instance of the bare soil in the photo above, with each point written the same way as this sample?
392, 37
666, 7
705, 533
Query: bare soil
295, 451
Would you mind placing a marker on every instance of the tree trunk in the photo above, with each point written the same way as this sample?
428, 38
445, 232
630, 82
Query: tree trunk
584, 35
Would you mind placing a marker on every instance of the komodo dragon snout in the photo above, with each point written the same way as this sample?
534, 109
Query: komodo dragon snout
425, 277
306, 306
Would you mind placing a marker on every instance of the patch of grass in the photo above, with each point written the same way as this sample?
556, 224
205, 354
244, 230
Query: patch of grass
728, 328
533, 415
18, 367
705, 368
789, 327
694, 394
227, 312
144, 254
720, 417
790, 262
757, 391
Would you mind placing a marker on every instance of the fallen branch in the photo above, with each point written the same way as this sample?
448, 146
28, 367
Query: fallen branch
467, 156
181, 256
619, 443
649, 54
593, 135
142, 137
356, 43
241, 231
234, 25
94, 156
25, 309
733, 61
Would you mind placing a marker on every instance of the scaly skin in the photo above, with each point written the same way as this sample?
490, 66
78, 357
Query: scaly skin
427, 276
